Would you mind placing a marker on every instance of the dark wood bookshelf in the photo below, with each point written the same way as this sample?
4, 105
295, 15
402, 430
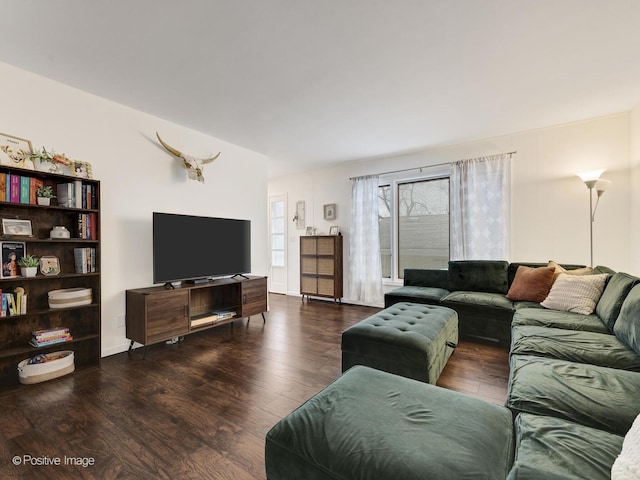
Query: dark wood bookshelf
84, 322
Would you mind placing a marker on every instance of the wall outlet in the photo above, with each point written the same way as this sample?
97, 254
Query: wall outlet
120, 321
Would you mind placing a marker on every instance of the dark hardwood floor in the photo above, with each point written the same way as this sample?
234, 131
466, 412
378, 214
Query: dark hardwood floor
199, 408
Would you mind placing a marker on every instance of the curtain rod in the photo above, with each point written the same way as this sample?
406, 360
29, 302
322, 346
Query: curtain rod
426, 166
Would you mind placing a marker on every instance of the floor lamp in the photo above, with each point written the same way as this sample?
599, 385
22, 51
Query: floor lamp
593, 182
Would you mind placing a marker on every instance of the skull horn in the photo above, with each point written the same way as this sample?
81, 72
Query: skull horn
177, 153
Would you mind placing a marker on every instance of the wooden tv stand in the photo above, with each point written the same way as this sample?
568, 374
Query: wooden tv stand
157, 314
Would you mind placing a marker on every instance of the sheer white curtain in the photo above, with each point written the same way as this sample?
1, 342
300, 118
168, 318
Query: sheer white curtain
365, 282
480, 208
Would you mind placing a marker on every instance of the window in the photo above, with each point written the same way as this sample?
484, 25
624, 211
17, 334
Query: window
414, 225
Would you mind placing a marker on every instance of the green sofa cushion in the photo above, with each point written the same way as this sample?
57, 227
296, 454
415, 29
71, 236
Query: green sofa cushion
370, 424
558, 319
601, 349
610, 303
478, 275
418, 294
426, 277
482, 299
598, 397
627, 327
551, 448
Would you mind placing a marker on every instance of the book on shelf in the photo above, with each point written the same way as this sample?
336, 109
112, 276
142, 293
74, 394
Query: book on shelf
13, 303
50, 336
14, 190
35, 183
87, 226
198, 322
25, 187
85, 259
3, 186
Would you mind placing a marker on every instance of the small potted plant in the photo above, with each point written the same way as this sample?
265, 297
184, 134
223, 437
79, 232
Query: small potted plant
44, 194
43, 161
29, 265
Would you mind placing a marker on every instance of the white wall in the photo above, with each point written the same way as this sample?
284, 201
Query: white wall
550, 204
137, 177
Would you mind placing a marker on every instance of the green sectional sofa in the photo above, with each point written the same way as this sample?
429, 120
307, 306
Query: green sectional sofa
476, 289
573, 394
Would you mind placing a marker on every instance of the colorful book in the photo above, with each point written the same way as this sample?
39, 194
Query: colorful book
52, 332
52, 342
14, 194
25, 187
11, 304
3, 187
7, 193
35, 184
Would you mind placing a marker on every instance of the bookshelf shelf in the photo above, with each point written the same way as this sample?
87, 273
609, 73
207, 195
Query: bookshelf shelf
83, 322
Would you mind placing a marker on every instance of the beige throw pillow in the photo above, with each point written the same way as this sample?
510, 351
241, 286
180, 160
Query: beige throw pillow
560, 269
578, 294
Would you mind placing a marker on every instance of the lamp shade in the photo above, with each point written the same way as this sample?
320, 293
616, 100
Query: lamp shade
591, 175
602, 185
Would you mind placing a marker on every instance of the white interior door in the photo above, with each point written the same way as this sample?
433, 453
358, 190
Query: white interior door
278, 243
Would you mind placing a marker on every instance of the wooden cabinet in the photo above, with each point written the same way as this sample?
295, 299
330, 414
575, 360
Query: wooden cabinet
321, 266
156, 314
84, 321
254, 296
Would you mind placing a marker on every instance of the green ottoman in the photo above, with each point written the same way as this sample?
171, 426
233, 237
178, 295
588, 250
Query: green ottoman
409, 339
373, 425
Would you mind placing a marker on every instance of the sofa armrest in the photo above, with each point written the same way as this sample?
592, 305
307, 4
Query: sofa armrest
423, 277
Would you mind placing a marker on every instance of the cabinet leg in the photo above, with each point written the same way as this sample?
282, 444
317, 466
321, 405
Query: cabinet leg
264, 320
130, 347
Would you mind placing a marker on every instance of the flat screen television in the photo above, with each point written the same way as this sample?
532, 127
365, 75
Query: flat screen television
187, 247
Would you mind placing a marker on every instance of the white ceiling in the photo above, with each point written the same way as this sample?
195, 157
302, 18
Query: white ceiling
315, 82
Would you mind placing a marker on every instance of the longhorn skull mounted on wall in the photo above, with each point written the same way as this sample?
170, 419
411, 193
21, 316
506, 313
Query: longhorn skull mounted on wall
193, 165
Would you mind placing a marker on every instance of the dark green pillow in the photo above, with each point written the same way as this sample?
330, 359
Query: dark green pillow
610, 303
478, 276
627, 327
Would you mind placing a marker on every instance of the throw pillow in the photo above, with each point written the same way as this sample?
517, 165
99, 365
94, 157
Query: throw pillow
627, 465
578, 294
531, 284
576, 271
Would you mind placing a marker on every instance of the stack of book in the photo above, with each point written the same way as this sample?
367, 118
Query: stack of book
85, 259
50, 336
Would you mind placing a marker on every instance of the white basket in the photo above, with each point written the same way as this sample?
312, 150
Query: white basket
41, 372
70, 297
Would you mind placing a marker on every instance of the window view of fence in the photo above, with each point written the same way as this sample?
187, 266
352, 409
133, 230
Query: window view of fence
416, 214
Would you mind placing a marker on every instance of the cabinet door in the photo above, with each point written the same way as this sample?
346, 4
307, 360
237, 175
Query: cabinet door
254, 296
167, 315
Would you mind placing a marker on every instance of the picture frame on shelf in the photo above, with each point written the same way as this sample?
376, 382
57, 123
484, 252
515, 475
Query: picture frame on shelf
310, 231
15, 152
49, 265
16, 227
11, 252
81, 169
329, 211
334, 230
